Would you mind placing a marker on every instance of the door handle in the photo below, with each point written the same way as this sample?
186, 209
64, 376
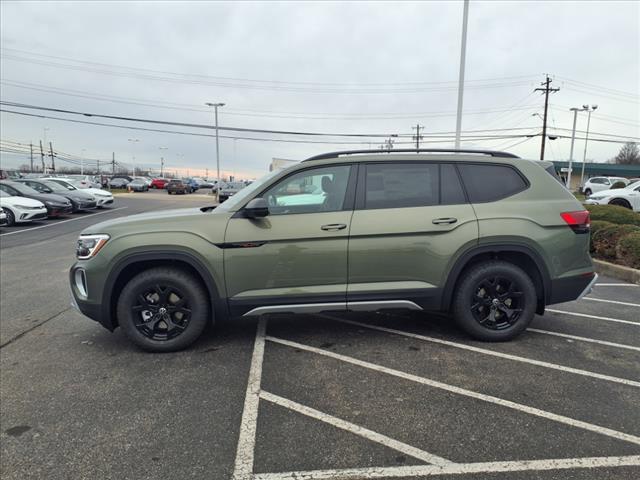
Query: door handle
444, 221
332, 227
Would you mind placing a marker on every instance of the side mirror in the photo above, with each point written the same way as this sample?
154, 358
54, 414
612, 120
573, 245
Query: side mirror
256, 208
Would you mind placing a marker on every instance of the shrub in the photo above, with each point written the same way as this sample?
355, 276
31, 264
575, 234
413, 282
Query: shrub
597, 225
614, 214
606, 239
628, 250
618, 185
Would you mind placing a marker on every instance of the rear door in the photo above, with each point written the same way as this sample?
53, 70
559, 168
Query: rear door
410, 220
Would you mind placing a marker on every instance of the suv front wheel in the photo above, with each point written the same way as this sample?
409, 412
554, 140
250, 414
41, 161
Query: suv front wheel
495, 301
163, 309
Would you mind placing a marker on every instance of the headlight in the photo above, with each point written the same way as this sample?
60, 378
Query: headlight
90, 245
596, 197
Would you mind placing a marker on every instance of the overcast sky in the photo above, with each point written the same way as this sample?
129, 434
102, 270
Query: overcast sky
363, 67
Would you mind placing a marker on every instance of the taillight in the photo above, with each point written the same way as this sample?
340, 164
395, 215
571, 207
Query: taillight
580, 221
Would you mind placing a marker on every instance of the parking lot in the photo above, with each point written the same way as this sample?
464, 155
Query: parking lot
332, 396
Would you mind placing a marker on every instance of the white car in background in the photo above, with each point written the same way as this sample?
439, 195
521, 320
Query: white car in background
628, 197
103, 198
598, 184
84, 181
21, 209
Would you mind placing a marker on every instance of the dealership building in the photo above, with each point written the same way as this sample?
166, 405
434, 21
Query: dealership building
595, 170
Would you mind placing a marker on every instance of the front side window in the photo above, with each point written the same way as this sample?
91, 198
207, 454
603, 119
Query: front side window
401, 185
488, 183
310, 191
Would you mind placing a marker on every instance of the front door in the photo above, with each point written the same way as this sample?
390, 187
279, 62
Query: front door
409, 221
297, 255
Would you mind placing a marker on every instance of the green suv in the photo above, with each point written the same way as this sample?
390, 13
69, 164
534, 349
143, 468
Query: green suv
486, 236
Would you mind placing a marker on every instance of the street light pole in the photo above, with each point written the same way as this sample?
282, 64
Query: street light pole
586, 139
162, 160
573, 141
463, 54
82, 161
133, 166
215, 106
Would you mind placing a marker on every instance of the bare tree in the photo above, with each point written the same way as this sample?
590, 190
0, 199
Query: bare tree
628, 155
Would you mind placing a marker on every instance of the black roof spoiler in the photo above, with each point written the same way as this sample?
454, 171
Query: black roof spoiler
492, 153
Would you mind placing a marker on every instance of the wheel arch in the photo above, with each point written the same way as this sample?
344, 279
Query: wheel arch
520, 255
132, 264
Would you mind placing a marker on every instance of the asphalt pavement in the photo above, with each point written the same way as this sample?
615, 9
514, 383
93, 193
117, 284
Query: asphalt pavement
359, 395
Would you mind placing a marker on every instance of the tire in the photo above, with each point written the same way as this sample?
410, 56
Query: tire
621, 202
486, 314
153, 329
587, 192
11, 218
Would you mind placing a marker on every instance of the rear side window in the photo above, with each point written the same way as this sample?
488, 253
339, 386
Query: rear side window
401, 185
451, 192
487, 183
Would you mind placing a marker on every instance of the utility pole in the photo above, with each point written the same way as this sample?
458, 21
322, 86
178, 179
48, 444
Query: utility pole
463, 55
388, 144
113, 163
31, 150
98, 167
44, 168
216, 106
417, 137
53, 161
547, 89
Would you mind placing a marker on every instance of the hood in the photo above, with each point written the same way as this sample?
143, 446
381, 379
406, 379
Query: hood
98, 192
80, 195
610, 193
27, 202
48, 197
177, 219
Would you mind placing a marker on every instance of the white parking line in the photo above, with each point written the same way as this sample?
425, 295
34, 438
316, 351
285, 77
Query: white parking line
485, 351
585, 339
464, 392
62, 221
611, 301
585, 315
616, 285
247, 438
455, 469
356, 429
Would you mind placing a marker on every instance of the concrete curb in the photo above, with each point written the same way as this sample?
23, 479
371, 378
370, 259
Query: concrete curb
618, 271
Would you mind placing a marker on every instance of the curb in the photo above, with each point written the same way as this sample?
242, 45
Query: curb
618, 271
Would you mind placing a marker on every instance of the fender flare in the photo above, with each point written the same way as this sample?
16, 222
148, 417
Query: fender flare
218, 306
463, 260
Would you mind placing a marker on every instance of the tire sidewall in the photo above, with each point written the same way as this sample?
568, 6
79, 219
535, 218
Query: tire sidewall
463, 315
11, 218
197, 299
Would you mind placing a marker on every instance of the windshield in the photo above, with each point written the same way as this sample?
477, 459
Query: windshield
633, 185
55, 186
24, 189
4, 194
62, 183
239, 198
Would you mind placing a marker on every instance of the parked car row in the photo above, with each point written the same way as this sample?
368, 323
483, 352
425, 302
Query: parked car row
628, 197
28, 199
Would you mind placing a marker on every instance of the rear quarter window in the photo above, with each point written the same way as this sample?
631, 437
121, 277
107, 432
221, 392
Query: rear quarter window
488, 183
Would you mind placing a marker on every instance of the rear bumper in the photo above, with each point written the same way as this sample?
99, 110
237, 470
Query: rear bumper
571, 288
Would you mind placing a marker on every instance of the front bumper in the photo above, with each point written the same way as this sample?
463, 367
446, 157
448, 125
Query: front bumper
57, 211
104, 201
87, 205
95, 311
29, 215
590, 201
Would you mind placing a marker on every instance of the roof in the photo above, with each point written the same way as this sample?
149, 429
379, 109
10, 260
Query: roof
403, 153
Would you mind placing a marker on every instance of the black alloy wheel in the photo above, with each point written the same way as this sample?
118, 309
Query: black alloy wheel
494, 300
496, 303
163, 309
11, 219
163, 312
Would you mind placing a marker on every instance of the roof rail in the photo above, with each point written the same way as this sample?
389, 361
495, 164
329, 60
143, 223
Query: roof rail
492, 153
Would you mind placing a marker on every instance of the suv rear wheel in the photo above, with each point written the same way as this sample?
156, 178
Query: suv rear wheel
495, 301
163, 309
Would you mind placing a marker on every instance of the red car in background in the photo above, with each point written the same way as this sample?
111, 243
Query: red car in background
159, 182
